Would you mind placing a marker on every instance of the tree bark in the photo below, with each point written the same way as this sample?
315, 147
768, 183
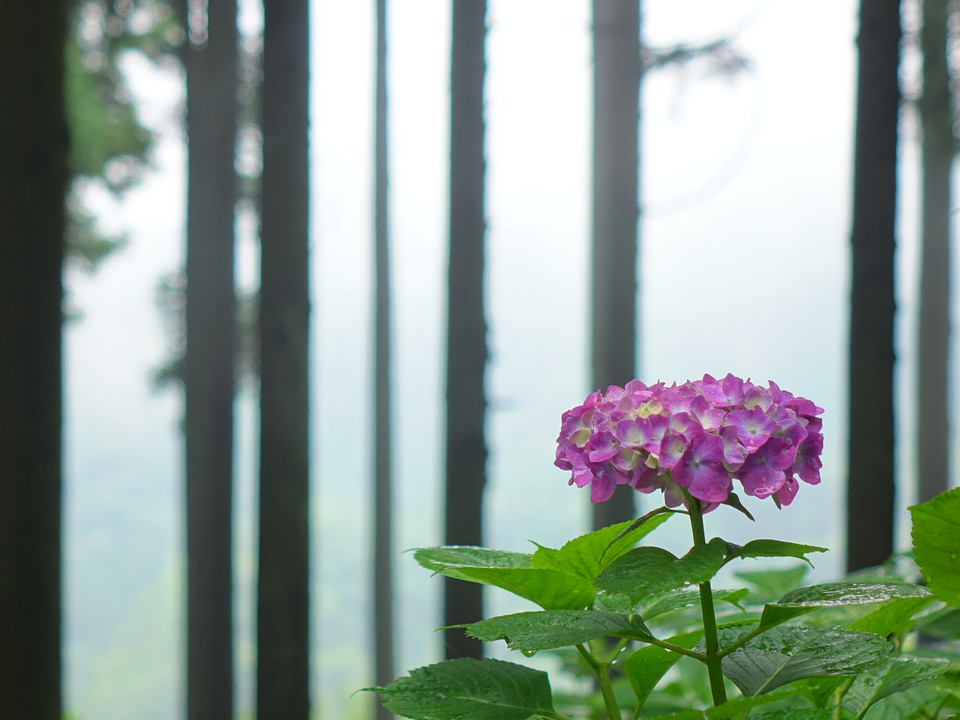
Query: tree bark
383, 453
871, 483
283, 590
33, 183
936, 115
616, 159
466, 450
209, 363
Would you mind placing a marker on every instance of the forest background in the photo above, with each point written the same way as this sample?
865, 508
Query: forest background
744, 268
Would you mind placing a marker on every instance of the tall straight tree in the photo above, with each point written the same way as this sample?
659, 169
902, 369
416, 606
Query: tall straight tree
936, 117
208, 370
466, 449
871, 482
616, 159
33, 183
383, 446
283, 587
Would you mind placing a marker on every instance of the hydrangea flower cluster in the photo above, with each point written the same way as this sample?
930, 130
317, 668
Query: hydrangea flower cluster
699, 436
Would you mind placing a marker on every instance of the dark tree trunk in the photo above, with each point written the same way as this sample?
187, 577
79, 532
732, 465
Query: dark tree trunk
33, 182
936, 114
466, 450
383, 453
209, 362
870, 488
283, 590
616, 158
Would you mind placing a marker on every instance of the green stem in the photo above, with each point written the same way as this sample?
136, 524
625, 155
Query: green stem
838, 698
744, 639
603, 677
713, 657
650, 640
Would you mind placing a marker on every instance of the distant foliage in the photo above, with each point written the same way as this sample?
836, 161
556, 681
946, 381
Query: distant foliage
110, 146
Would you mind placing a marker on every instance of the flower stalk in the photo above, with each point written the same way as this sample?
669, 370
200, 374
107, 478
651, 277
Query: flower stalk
600, 669
713, 657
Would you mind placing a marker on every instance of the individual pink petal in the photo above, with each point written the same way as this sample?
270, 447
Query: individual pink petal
658, 426
645, 479
762, 480
753, 427
708, 416
727, 393
603, 485
734, 452
787, 493
701, 470
626, 459
601, 446
807, 463
633, 432
672, 448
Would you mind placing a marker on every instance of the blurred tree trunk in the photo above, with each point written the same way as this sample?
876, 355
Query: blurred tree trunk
466, 450
383, 453
616, 159
936, 115
283, 591
33, 183
208, 372
871, 486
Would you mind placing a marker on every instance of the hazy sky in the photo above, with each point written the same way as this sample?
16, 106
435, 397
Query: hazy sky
744, 263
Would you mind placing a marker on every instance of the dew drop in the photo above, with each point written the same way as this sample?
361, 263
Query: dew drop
953, 556
528, 653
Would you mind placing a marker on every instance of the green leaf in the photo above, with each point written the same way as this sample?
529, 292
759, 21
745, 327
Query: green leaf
648, 571
451, 557
944, 623
646, 516
784, 654
794, 714
777, 548
936, 544
550, 589
675, 600
899, 674
586, 555
894, 616
773, 584
533, 631
804, 600
468, 689
647, 666
737, 708
734, 502
907, 704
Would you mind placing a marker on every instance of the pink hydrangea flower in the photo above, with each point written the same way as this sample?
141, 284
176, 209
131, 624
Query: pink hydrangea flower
700, 436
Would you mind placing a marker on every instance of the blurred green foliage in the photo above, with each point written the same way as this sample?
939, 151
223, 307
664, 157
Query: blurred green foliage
110, 146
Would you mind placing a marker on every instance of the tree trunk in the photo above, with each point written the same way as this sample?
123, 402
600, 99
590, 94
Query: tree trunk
33, 183
870, 488
383, 453
936, 114
209, 362
466, 450
616, 158
283, 589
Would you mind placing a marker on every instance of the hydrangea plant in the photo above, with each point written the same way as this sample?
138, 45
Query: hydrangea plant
649, 627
